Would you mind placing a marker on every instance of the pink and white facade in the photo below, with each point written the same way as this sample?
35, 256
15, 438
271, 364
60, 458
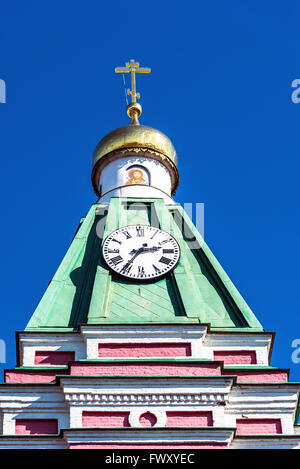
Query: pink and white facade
147, 386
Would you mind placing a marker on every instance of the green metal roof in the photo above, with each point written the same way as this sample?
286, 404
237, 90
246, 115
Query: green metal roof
83, 291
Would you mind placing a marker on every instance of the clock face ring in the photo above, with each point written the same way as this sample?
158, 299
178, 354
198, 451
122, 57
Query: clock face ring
141, 252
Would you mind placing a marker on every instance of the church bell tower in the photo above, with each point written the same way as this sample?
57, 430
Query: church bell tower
141, 340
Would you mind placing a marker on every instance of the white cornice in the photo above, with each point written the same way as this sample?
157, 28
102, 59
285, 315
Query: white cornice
166, 435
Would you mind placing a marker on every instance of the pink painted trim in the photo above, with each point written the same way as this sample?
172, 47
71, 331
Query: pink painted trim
257, 376
36, 426
236, 357
46, 357
258, 426
105, 419
189, 419
142, 349
146, 369
31, 376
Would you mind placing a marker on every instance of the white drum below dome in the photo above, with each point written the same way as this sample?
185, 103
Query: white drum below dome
138, 191
135, 171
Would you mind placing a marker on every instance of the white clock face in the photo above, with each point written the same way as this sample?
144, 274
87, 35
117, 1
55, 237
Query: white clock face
141, 252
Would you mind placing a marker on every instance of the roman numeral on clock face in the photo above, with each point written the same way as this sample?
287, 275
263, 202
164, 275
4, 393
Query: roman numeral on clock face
126, 269
165, 241
116, 260
140, 232
141, 270
157, 270
154, 234
165, 260
168, 251
116, 240
127, 234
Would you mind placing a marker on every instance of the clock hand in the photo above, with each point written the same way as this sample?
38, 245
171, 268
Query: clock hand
144, 249
155, 248
139, 251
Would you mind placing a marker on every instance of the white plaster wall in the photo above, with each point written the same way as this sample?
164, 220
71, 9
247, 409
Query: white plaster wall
85, 344
50, 342
140, 334
9, 419
259, 343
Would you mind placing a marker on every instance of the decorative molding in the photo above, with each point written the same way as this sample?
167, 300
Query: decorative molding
153, 434
88, 398
266, 442
135, 414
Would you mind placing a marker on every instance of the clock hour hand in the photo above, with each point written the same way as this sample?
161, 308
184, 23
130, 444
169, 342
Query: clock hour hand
125, 266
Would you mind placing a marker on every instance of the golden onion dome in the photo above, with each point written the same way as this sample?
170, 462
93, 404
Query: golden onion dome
139, 140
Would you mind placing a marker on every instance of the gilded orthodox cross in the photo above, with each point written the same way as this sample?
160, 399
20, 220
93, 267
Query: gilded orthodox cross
133, 67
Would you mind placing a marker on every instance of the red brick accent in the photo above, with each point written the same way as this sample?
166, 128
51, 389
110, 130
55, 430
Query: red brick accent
145, 369
46, 357
36, 426
189, 419
145, 349
147, 419
236, 357
258, 426
105, 419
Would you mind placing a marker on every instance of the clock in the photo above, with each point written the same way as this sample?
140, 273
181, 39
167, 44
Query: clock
141, 252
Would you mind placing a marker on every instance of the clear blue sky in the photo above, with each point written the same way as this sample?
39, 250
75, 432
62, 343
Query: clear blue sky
220, 88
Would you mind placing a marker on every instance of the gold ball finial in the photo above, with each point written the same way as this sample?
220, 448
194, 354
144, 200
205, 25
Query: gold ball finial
134, 110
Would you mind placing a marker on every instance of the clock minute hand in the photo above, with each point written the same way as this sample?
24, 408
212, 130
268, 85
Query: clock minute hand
155, 248
144, 249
